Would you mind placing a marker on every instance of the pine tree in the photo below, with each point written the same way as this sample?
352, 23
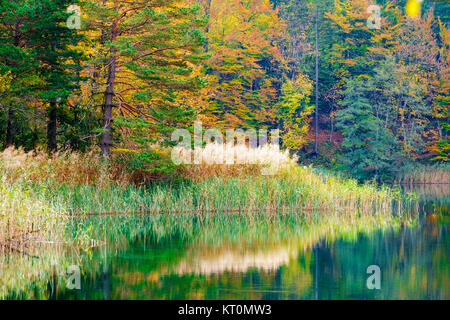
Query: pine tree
53, 42
38, 55
151, 46
369, 150
17, 62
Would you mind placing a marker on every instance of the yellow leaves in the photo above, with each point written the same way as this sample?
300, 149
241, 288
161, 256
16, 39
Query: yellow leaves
123, 150
441, 150
5, 82
350, 15
295, 111
239, 89
444, 33
303, 82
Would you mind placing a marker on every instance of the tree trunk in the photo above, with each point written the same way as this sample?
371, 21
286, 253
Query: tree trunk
316, 117
105, 142
10, 128
332, 126
10, 121
51, 127
207, 12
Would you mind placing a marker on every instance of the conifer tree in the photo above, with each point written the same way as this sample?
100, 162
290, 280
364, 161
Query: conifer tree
368, 148
53, 44
151, 47
17, 62
38, 56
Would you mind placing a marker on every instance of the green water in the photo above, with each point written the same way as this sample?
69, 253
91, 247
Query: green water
285, 259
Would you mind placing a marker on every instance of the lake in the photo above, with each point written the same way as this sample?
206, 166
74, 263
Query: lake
253, 259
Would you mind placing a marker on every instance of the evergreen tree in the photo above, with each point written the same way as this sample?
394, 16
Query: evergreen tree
53, 42
151, 47
38, 56
369, 150
17, 64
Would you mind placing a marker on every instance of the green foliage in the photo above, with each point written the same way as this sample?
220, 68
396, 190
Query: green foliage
241, 64
294, 112
37, 52
144, 152
369, 149
152, 51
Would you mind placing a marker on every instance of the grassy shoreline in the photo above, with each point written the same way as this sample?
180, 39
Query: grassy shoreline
41, 192
421, 174
44, 193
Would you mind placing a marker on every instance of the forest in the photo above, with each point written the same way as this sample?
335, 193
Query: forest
123, 76
113, 121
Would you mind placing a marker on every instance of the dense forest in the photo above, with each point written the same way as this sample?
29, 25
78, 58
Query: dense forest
351, 86
113, 166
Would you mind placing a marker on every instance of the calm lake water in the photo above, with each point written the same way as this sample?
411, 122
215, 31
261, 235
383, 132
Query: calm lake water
413, 261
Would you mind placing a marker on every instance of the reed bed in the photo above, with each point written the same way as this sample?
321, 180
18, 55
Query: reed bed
62, 168
421, 174
83, 201
40, 191
82, 184
25, 213
298, 188
225, 160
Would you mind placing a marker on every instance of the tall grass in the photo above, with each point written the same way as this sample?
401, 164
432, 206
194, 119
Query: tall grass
40, 191
239, 160
296, 188
82, 184
422, 174
82, 200
25, 214
64, 168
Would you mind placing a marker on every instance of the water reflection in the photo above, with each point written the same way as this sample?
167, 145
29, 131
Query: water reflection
325, 258
235, 260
